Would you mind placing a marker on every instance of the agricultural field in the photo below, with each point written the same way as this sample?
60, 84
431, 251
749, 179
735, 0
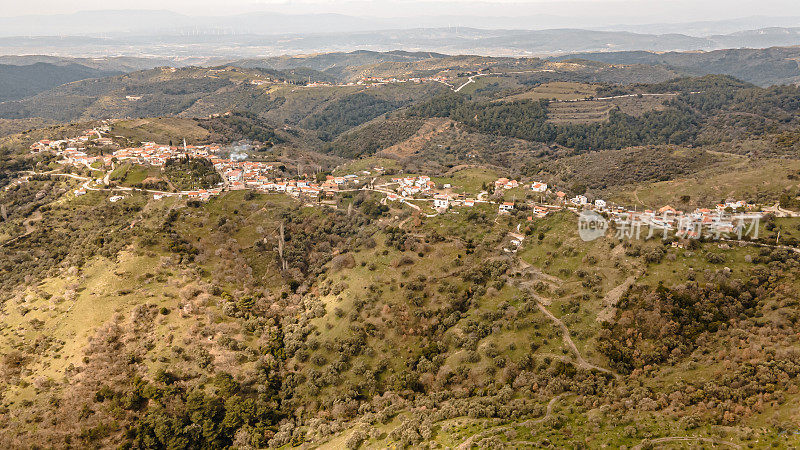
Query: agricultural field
594, 111
558, 91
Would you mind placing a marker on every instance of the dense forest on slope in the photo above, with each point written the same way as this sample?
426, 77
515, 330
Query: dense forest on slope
528, 120
705, 110
373, 137
351, 111
239, 125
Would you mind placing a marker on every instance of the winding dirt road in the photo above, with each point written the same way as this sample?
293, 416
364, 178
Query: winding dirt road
612, 298
570, 343
467, 443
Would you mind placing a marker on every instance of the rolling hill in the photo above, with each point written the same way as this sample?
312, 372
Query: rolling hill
763, 67
20, 81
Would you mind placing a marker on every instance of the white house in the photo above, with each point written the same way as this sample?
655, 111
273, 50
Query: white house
506, 206
441, 201
234, 175
579, 200
600, 203
505, 183
538, 187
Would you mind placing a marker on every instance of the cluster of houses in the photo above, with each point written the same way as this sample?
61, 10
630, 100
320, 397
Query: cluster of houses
505, 183
154, 154
375, 81
582, 201
72, 149
382, 80
242, 174
306, 188
237, 174
410, 186
71, 143
728, 217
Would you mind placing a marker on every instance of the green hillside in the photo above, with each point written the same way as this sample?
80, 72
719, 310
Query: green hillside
368, 267
373, 319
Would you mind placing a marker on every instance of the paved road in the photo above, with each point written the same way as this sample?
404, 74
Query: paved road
471, 80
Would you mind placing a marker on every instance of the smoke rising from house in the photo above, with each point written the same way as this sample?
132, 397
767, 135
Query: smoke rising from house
239, 152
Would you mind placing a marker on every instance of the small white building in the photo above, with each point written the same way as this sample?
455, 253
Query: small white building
600, 203
579, 200
234, 175
538, 187
441, 202
506, 206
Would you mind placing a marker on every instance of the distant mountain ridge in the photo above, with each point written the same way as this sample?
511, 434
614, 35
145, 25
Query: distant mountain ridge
26, 76
106, 23
108, 64
764, 67
326, 61
238, 43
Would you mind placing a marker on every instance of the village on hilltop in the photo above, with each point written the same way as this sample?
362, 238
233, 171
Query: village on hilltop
238, 174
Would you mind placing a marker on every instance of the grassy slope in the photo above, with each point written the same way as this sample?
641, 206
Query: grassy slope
758, 181
105, 289
161, 130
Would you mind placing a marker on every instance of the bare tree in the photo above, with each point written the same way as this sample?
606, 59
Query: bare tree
281, 244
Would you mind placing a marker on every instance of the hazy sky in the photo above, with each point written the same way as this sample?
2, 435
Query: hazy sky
625, 10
